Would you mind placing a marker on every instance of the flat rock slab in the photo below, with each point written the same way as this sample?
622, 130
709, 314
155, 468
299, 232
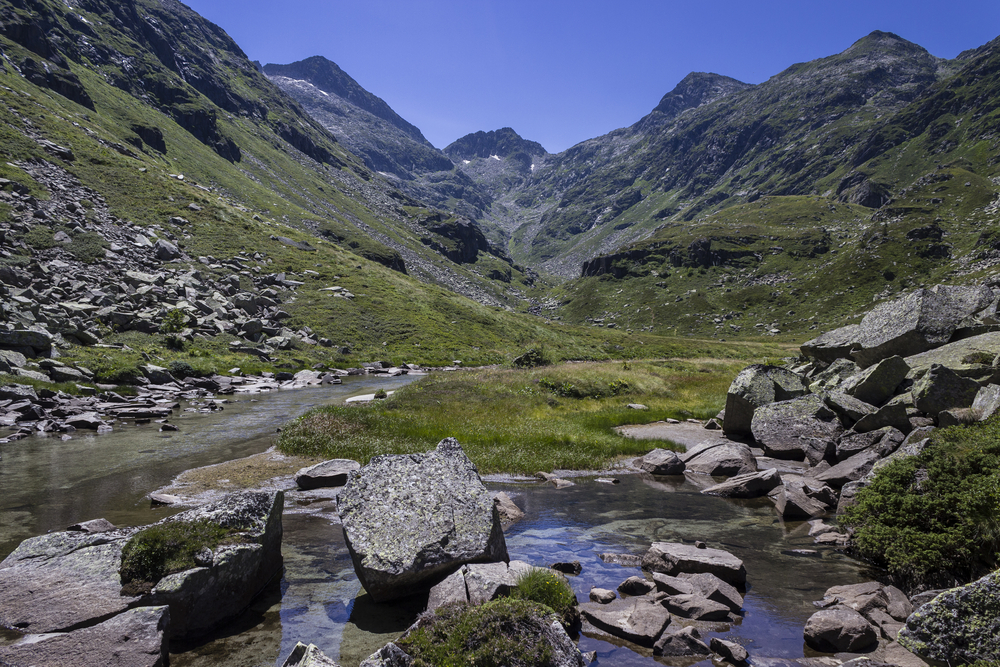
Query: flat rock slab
137, 638
410, 519
697, 608
326, 474
966, 357
749, 485
674, 558
683, 433
639, 620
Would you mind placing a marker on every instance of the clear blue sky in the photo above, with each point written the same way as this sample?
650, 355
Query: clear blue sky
562, 71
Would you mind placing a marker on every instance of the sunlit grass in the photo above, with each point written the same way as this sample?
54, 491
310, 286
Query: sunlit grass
521, 421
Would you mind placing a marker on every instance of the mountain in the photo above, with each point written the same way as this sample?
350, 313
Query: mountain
500, 143
150, 167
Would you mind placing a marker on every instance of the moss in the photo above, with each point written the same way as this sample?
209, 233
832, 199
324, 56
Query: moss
163, 549
501, 633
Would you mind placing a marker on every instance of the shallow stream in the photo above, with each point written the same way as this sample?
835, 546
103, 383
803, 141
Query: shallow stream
48, 484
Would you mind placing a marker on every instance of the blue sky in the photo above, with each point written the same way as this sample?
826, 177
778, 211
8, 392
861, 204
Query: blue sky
561, 71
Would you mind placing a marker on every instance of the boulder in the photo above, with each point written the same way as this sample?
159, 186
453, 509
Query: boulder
754, 387
672, 585
684, 642
833, 345
730, 651
640, 620
987, 401
833, 376
636, 586
713, 588
326, 474
959, 626
889, 415
166, 251
797, 499
697, 607
488, 581
849, 470
720, 459
848, 408
661, 462
941, 388
970, 357
602, 595
308, 656
137, 638
673, 558
508, 510
917, 322
749, 485
877, 384
20, 339
410, 519
797, 429
887, 440
63, 580
451, 590
838, 631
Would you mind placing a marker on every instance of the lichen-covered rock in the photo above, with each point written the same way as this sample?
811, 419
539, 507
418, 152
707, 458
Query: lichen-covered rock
137, 638
970, 357
833, 376
877, 384
987, 402
941, 388
959, 626
410, 519
833, 345
848, 408
797, 429
839, 630
674, 558
849, 470
917, 322
71, 579
755, 386
889, 415
310, 655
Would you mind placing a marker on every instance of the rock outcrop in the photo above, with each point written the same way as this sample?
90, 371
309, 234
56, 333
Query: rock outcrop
410, 520
754, 387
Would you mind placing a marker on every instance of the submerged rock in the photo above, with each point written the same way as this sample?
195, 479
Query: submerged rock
410, 519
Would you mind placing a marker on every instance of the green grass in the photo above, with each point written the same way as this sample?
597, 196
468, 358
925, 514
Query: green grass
501, 633
512, 421
163, 549
934, 519
551, 589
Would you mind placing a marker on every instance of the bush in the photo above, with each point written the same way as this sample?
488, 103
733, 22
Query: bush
381, 393
163, 549
934, 519
87, 247
501, 633
180, 369
531, 359
174, 321
551, 589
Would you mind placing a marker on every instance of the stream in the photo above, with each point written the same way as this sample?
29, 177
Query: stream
48, 484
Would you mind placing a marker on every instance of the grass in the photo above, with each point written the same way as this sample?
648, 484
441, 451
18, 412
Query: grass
934, 519
551, 589
163, 549
513, 421
501, 633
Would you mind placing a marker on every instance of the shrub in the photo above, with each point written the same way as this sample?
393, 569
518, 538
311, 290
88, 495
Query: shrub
532, 358
934, 519
163, 549
174, 321
87, 247
381, 393
501, 633
180, 369
551, 589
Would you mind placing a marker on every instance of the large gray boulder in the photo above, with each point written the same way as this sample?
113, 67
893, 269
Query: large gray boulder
833, 376
959, 626
849, 470
26, 339
674, 558
877, 384
941, 388
70, 579
137, 638
917, 322
720, 459
839, 630
682, 642
411, 519
477, 583
799, 499
970, 357
833, 345
661, 462
797, 429
755, 386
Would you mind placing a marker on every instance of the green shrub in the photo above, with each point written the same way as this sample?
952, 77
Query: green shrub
164, 549
934, 519
39, 237
381, 393
551, 589
180, 369
87, 247
174, 321
532, 358
501, 633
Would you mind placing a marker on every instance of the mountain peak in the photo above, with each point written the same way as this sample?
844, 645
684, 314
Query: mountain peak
328, 77
695, 89
502, 142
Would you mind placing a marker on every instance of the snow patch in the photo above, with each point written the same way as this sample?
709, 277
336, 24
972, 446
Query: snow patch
495, 157
532, 167
466, 161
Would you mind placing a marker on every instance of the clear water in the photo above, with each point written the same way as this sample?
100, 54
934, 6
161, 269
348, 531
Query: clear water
48, 484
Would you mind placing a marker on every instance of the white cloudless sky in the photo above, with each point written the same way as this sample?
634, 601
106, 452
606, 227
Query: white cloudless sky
563, 71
